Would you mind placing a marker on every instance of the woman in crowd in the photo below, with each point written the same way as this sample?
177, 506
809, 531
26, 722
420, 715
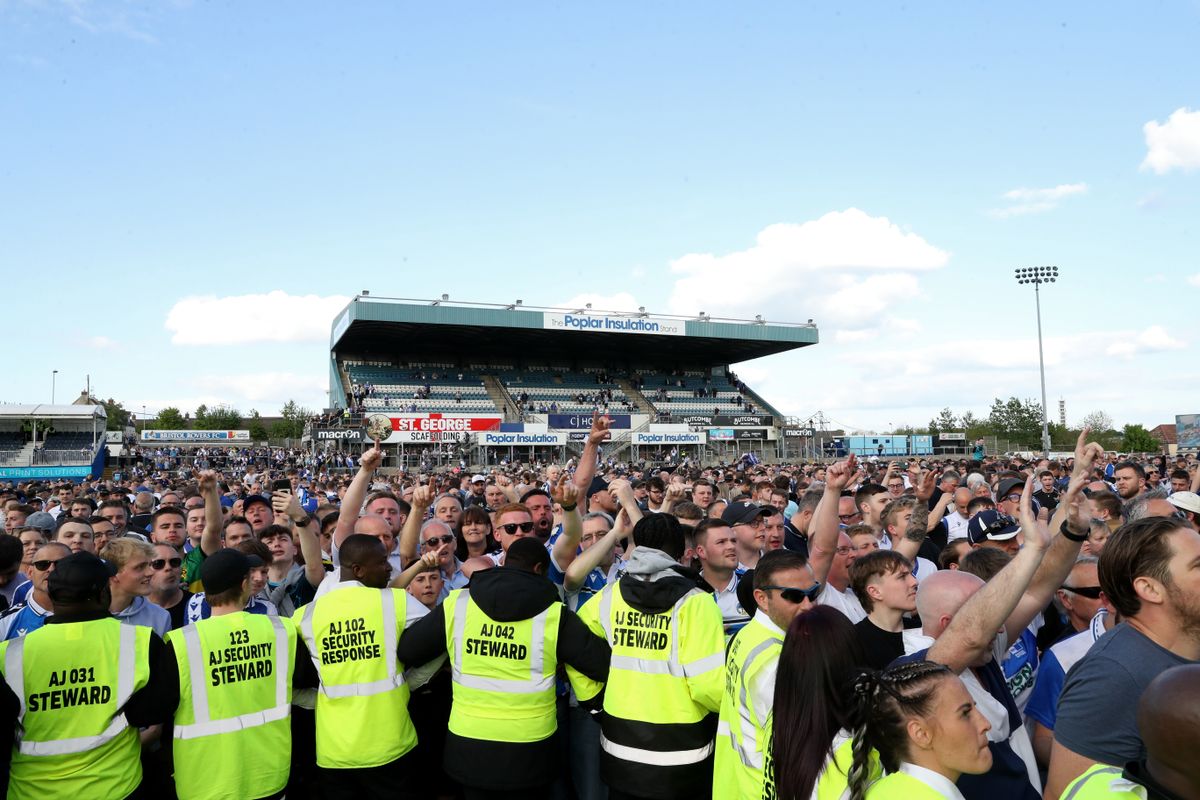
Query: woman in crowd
476, 537
812, 714
923, 724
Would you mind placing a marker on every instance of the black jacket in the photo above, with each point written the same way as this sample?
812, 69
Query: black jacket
150, 705
506, 594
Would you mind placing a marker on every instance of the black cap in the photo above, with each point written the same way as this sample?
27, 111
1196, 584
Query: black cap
225, 569
743, 512
251, 499
79, 577
1007, 485
598, 485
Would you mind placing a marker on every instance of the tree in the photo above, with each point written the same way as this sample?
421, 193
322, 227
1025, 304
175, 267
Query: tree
1098, 421
118, 417
171, 419
217, 418
1020, 421
292, 424
258, 431
944, 422
1136, 439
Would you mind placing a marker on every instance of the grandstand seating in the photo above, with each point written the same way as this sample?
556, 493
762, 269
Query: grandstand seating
555, 388
69, 440
676, 392
11, 441
402, 389
537, 388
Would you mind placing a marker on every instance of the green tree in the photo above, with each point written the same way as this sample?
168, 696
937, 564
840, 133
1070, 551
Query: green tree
1136, 439
217, 418
1018, 420
118, 417
944, 422
171, 419
292, 424
258, 430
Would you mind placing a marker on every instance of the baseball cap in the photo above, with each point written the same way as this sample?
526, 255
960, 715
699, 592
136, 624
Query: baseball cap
225, 569
743, 512
1007, 485
598, 485
1184, 501
251, 499
479, 479
41, 520
79, 577
990, 525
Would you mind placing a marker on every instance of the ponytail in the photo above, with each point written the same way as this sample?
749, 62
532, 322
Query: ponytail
882, 703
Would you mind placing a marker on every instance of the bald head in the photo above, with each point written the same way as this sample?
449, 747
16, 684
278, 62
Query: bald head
1169, 720
372, 525
941, 595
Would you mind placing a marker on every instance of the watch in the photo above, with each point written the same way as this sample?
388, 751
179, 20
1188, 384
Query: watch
1074, 537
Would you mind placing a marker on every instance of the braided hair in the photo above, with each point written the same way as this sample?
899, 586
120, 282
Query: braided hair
884, 701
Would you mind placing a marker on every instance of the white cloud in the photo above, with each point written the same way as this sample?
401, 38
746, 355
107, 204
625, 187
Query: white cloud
267, 388
1152, 340
1194, 280
1175, 144
1035, 201
843, 268
241, 319
100, 343
879, 384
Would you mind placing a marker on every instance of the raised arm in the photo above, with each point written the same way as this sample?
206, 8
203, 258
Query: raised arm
1063, 552
675, 492
589, 559
623, 490
357, 492
822, 544
970, 634
587, 462
918, 525
214, 520
422, 499
425, 563
566, 494
302, 527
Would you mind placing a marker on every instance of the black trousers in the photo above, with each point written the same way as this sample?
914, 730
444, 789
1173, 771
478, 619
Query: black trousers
533, 793
391, 781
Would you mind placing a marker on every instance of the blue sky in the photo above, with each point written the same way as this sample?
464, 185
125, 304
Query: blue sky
188, 191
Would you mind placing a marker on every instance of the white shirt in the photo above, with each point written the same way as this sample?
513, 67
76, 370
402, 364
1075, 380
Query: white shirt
956, 525
845, 602
992, 709
934, 780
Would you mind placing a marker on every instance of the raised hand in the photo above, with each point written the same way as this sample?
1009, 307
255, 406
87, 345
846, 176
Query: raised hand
565, 492
600, 428
423, 494
371, 459
207, 481
837, 476
1036, 534
924, 487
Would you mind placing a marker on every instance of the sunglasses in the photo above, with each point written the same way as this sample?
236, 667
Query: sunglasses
794, 595
159, 563
512, 527
45, 564
1087, 591
434, 541
847, 516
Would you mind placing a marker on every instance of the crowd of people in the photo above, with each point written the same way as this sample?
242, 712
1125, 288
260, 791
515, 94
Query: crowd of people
947, 628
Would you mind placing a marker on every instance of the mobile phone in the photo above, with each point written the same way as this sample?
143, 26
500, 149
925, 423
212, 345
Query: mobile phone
281, 485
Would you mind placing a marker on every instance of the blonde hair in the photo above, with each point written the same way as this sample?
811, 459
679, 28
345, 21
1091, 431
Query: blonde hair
121, 550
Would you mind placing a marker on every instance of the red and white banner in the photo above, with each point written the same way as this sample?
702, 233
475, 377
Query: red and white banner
446, 423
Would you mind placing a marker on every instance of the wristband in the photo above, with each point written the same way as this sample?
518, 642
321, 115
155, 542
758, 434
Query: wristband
568, 508
1074, 537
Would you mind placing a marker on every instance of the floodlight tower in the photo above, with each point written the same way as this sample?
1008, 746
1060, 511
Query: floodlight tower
1037, 276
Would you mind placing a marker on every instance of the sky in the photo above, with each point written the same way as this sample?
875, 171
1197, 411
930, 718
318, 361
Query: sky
191, 191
